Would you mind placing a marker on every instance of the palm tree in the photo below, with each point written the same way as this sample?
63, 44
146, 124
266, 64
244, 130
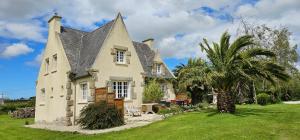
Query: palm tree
236, 61
191, 77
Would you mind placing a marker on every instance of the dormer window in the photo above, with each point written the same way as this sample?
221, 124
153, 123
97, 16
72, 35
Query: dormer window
158, 68
120, 56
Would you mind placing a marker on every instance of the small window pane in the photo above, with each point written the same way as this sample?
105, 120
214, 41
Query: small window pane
84, 90
120, 56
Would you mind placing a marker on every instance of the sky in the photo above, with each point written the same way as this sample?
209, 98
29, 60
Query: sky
178, 26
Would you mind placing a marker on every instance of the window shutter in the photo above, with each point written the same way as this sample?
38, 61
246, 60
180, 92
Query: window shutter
133, 94
115, 58
128, 53
113, 51
128, 60
108, 83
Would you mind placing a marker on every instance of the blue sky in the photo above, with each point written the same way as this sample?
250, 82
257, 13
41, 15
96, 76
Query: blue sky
176, 26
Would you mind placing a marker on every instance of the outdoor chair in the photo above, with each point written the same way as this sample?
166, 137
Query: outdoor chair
133, 111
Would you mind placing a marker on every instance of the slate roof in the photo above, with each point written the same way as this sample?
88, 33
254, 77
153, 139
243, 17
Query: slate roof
82, 48
146, 56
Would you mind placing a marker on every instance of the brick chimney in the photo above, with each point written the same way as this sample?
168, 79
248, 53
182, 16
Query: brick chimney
55, 23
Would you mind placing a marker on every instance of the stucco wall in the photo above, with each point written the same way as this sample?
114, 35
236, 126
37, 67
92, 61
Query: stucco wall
52, 107
107, 68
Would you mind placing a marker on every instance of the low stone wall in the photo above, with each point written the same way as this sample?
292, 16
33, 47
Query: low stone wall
21, 113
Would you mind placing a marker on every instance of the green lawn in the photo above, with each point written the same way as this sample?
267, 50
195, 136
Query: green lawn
250, 122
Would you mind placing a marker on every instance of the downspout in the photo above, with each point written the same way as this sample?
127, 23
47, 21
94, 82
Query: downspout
74, 116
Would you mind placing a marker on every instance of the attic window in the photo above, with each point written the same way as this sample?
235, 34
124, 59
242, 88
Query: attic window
46, 65
158, 68
43, 94
120, 56
54, 62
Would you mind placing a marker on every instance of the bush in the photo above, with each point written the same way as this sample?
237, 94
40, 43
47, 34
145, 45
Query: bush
100, 116
263, 99
153, 92
26, 122
173, 109
13, 105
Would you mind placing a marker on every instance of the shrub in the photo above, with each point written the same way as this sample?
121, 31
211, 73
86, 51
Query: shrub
100, 116
13, 105
263, 99
26, 122
153, 92
173, 109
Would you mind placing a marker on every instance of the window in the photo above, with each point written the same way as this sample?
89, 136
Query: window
54, 62
47, 65
122, 89
43, 94
84, 91
120, 56
158, 68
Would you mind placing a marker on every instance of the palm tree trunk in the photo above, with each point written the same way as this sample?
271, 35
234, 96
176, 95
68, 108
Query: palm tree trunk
225, 102
254, 92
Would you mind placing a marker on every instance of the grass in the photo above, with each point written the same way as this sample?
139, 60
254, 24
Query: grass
250, 122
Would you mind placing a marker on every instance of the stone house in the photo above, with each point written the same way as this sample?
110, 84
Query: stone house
76, 62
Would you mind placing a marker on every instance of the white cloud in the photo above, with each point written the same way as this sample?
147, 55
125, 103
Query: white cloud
162, 20
15, 50
37, 60
24, 31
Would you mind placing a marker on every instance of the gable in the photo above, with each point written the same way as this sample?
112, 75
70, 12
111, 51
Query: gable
82, 49
147, 56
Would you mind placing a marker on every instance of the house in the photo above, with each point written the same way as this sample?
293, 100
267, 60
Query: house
76, 62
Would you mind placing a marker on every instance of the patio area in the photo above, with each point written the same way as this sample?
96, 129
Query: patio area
130, 122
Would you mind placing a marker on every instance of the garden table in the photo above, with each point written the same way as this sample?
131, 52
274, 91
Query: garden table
149, 107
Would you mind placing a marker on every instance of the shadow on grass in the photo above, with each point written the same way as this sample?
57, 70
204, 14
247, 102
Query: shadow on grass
244, 112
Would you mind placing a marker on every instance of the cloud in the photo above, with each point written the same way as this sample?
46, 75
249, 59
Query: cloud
23, 31
15, 50
161, 20
37, 60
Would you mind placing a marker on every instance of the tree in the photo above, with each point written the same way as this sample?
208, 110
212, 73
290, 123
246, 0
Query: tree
153, 92
191, 77
233, 62
277, 40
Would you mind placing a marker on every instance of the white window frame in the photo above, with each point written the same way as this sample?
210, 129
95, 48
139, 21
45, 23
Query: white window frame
54, 61
120, 56
47, 64
158, 69
122, 89
84, 92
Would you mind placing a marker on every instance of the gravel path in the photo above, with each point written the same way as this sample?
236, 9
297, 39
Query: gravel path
292, 102
131, 122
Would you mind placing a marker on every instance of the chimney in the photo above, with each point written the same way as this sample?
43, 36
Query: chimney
54, 23
149, 42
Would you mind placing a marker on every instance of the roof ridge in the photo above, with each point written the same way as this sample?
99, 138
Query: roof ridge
74, 29
101, 26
